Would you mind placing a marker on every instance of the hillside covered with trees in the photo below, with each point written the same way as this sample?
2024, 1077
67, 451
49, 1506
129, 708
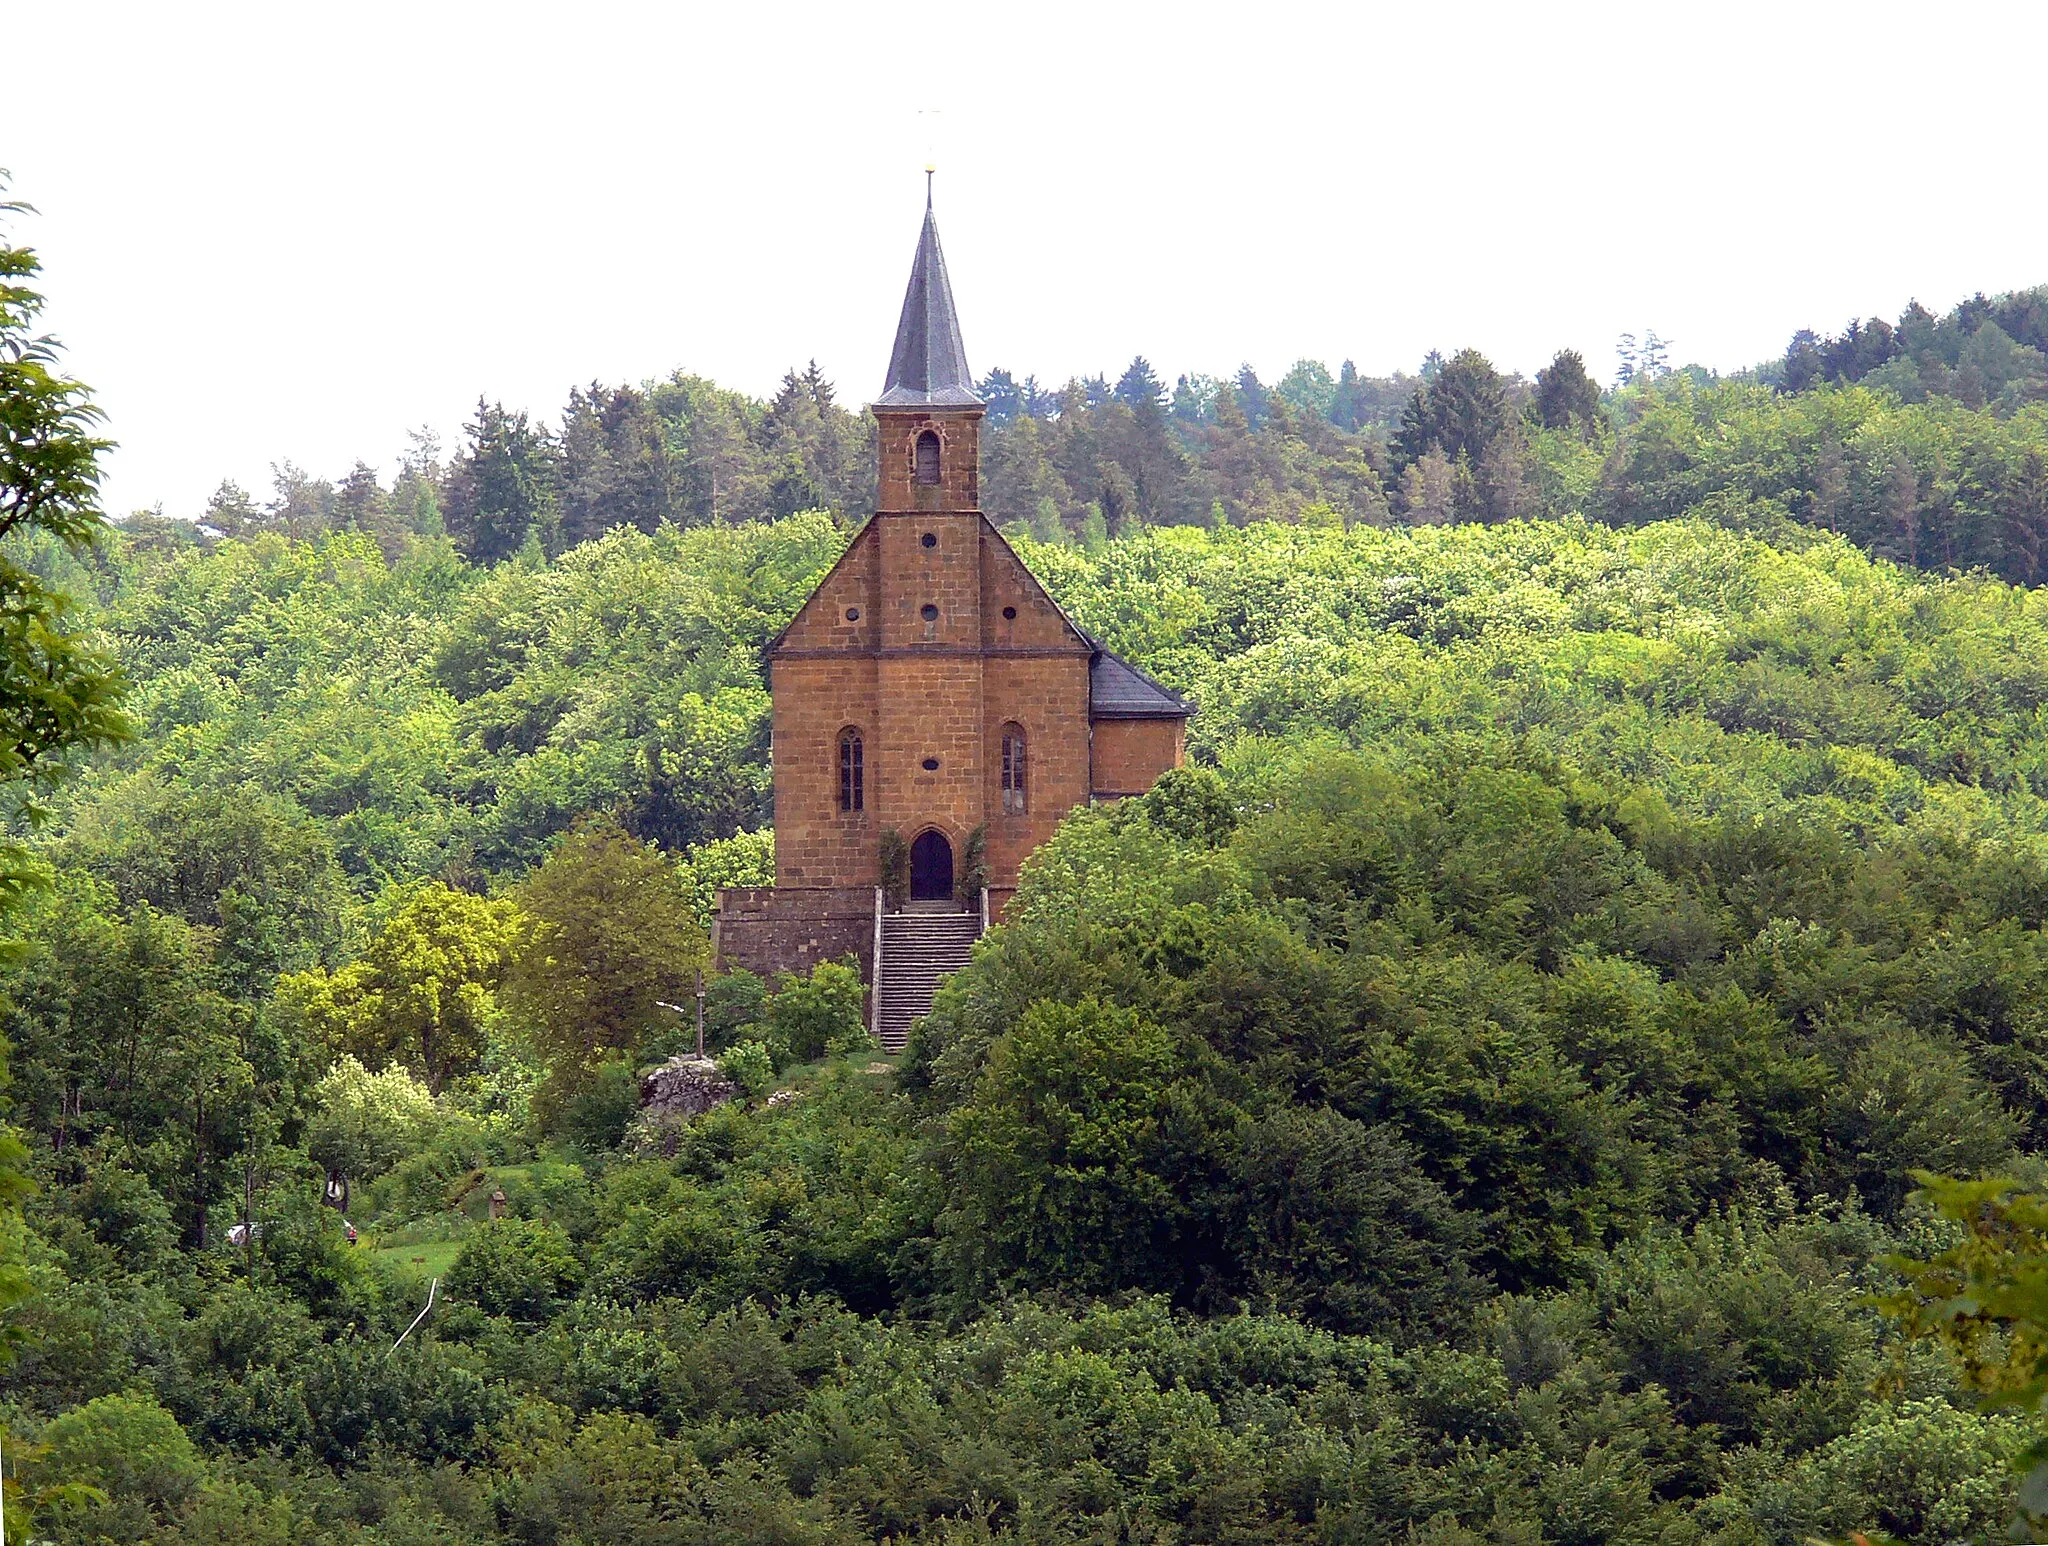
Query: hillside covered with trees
1474, 1101
1924, 442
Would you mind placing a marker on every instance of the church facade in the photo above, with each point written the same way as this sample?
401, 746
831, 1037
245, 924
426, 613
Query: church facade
931, 700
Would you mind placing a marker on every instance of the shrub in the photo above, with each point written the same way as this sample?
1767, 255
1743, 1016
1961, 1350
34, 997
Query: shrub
132, 1450
521, 1268
597, 1115
895, 868
127, 1215
751, 1066
807, 1014
734, 1002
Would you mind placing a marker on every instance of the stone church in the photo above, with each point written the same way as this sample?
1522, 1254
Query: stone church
930, 698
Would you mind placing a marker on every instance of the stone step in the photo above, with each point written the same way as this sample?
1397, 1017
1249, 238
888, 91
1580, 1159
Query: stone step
920, 949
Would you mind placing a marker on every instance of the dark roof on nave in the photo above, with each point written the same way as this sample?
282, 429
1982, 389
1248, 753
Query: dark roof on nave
928, 367
1119, 690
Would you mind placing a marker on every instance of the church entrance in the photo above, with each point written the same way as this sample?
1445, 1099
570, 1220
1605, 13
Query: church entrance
931, 868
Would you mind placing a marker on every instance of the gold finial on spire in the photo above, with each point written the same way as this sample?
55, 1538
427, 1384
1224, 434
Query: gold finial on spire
928, 132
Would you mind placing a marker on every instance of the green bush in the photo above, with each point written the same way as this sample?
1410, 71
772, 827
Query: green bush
751, 1066
734, 1003
520, 1268
127, 1215
808, 1013
597, 1115
132, 1450
363, 1123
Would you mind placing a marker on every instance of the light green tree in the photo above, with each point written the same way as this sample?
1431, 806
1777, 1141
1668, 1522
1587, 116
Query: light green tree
364, 1123
423, 993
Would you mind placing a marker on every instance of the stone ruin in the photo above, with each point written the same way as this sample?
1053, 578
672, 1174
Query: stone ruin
685, 1086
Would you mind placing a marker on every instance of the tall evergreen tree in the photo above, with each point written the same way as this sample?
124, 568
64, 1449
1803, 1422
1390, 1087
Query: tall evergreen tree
1347, 402
1460, 412
1567, 397
1252, 395
1139, 387
1806, 361
998, 393
502, 488
230, 511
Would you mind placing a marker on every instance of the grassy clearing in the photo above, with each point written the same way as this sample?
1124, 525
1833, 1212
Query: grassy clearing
422, 1259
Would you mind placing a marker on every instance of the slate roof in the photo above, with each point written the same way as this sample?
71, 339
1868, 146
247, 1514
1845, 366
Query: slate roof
1119, 690
928, 367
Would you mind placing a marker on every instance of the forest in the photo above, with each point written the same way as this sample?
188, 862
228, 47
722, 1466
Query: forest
1566, 1062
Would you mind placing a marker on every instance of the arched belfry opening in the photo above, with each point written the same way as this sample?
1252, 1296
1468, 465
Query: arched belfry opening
926, 471
931, 868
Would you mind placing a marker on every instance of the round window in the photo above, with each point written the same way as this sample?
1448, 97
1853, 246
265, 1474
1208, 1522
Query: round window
1009, 614
931, 764
929, 539
853, 614
929, 613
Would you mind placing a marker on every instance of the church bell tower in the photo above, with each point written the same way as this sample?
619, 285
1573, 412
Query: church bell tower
928, 417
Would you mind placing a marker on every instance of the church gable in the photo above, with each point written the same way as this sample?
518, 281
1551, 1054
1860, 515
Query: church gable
1008, 587
849, 586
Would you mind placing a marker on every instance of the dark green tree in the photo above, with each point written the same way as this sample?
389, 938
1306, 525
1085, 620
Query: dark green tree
1567, 397
1460, 412
503, 485
1139, 386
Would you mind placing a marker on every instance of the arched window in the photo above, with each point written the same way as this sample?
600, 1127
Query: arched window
852, 796
928, 457
1013, 770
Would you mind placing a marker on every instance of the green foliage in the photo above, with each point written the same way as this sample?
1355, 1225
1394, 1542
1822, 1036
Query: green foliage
734, 1001
1498, 1053
1339, 1225
365, 1123
422, 995
257, 868
57, 690
974, 865
750, 1065
515, 1267
1460, 413
744, 859
1190, 804
894, 878
609, 934
502, 488
1567, 397
1086, 1155
1985, 1299
133, 1452
605, 1103
807, 1016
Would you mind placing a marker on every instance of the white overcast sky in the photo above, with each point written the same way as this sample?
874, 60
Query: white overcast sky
294, 231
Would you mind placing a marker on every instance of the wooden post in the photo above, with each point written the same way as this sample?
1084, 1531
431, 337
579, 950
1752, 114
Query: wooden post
700, 1011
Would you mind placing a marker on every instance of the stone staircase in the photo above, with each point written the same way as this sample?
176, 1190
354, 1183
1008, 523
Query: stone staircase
918, 948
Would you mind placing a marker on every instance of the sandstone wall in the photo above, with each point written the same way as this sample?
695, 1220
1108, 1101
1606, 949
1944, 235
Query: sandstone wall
1130, 754
769, 929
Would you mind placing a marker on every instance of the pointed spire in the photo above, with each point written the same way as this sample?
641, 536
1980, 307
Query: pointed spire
928, 368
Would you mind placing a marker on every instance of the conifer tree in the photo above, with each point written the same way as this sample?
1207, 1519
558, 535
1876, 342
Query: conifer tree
1567, 397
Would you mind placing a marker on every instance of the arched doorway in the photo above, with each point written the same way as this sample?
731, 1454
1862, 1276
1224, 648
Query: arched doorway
931, 868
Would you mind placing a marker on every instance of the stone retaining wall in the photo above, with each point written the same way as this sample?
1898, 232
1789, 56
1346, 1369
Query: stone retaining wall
767, 929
